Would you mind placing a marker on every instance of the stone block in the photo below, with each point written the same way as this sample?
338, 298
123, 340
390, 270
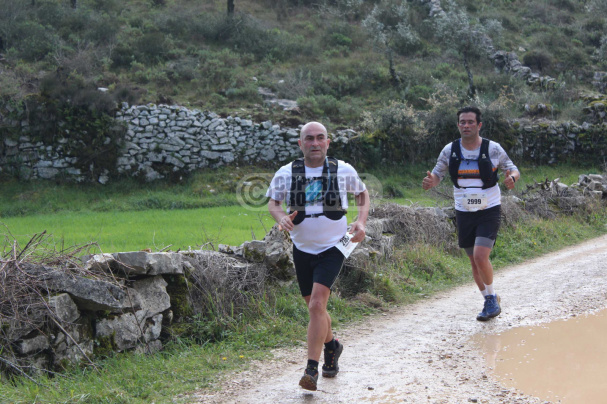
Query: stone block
153, 296
32, 345
64, 307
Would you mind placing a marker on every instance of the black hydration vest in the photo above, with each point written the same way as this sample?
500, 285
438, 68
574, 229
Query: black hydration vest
485, 167
330, 189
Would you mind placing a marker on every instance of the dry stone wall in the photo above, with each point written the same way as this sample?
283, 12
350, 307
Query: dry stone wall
178, 139
163, 141
160, 140
124, 301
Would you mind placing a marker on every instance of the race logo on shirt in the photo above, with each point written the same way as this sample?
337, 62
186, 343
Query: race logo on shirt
313, 192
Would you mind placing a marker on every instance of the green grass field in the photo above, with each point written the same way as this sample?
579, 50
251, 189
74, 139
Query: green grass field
137, 230
129, 216
154, 229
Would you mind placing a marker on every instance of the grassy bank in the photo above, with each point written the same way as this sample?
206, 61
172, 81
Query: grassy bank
214, 345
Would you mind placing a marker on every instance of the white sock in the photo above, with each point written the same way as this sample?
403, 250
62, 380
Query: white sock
489, 289
484, 292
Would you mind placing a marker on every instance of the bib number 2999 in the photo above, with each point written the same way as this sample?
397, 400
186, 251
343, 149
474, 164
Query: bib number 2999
474, 202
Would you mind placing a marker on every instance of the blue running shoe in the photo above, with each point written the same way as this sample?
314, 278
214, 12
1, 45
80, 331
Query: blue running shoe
491, 309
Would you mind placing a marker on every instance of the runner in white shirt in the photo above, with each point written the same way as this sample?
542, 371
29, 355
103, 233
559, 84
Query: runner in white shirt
317, 202
472, 162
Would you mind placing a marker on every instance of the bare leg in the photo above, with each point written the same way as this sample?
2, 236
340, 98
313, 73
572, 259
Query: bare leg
482, 270
319, 327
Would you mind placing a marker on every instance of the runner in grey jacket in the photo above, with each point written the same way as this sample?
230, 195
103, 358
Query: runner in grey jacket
477, 198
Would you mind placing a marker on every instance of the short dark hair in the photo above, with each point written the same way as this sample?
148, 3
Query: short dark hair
476, 111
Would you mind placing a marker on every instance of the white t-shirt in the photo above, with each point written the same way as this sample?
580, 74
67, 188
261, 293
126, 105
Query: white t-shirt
317, 234
498, 157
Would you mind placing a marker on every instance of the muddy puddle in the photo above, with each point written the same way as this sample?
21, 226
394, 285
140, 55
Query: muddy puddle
562, 361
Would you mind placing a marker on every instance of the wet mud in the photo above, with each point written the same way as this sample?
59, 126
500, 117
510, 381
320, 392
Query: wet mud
560, 361
428, 352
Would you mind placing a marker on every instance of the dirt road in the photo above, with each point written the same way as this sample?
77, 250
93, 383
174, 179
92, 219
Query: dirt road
422, 353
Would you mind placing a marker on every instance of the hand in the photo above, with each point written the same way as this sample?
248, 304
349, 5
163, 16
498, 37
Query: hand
509, 180
358, 229
428, 181
286, 222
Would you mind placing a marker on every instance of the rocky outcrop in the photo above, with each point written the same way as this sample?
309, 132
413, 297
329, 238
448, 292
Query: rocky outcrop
599, 81
596, 109
508, 62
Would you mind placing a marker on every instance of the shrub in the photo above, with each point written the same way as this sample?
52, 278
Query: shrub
74, 111
440, 121
442, 71
220, 70
337, 39
537, 60
396, 132
183, 69
151, 47
102, 29
122, 55
35, 41
319, 105
592, 31
247, 92
246, 35
296, 83
417, 95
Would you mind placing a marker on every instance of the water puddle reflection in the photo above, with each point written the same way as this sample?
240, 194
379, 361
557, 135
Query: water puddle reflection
564, 360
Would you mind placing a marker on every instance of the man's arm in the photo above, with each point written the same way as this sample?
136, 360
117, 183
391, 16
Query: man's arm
512, 174
430, 180
358, 227
511, 178
281, 217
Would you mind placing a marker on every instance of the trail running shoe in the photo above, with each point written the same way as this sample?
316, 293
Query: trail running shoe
331, 367
309, 379
491, 309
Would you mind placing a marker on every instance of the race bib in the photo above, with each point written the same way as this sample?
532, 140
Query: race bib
474, 202
345, 245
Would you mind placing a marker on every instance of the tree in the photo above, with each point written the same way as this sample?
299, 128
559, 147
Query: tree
599, 7
468, 38
11, 12
389, 28
230, 7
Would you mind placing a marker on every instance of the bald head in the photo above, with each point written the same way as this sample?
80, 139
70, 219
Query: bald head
312, 128
314, 142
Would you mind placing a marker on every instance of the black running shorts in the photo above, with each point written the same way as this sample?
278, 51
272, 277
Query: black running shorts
320, 268
478, 228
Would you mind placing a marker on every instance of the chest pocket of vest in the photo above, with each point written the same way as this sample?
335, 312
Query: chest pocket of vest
332, 208
487, 172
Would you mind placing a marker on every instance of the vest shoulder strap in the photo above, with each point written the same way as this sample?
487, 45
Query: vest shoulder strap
484, 149
454, 160
333, 164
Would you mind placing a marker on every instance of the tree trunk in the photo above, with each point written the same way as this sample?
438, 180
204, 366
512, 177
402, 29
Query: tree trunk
74, 3
471, 87
393, 74
230, 7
